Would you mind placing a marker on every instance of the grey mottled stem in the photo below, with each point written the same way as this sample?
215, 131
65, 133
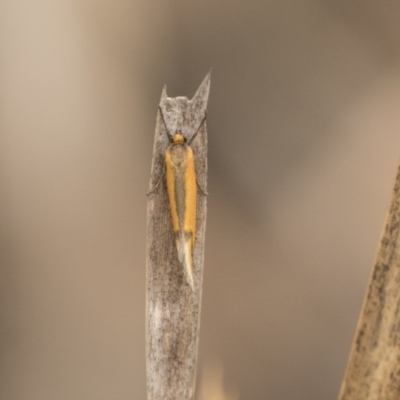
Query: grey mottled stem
373, 370
173, 308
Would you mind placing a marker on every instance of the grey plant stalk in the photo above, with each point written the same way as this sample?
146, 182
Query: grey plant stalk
173, 308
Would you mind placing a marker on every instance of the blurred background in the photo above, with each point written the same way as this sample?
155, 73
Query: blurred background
304, 141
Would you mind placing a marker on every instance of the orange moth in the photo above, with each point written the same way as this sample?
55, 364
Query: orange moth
182, 185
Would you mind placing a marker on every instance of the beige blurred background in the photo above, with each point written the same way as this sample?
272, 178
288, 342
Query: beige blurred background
304, 140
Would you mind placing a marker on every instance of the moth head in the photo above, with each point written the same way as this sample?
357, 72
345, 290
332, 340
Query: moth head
178, 138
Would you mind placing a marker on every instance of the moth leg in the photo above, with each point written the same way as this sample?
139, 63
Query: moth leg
201, 189
156, 185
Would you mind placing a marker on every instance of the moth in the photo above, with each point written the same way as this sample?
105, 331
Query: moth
182, 183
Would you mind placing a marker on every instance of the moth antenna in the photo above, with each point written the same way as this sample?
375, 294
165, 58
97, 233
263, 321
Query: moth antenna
204, 192
166, 127
201, 123
156, 185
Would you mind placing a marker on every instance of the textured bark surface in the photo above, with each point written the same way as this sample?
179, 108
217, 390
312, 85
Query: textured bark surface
173, 308
373, 370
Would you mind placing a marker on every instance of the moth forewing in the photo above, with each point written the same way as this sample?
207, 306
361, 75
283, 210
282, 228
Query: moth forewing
188, 236
198, 143
182, 194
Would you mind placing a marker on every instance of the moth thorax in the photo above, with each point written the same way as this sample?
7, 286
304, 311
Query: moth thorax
178, 138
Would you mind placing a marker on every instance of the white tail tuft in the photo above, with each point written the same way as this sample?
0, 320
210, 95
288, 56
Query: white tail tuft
181, 245
184, 247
